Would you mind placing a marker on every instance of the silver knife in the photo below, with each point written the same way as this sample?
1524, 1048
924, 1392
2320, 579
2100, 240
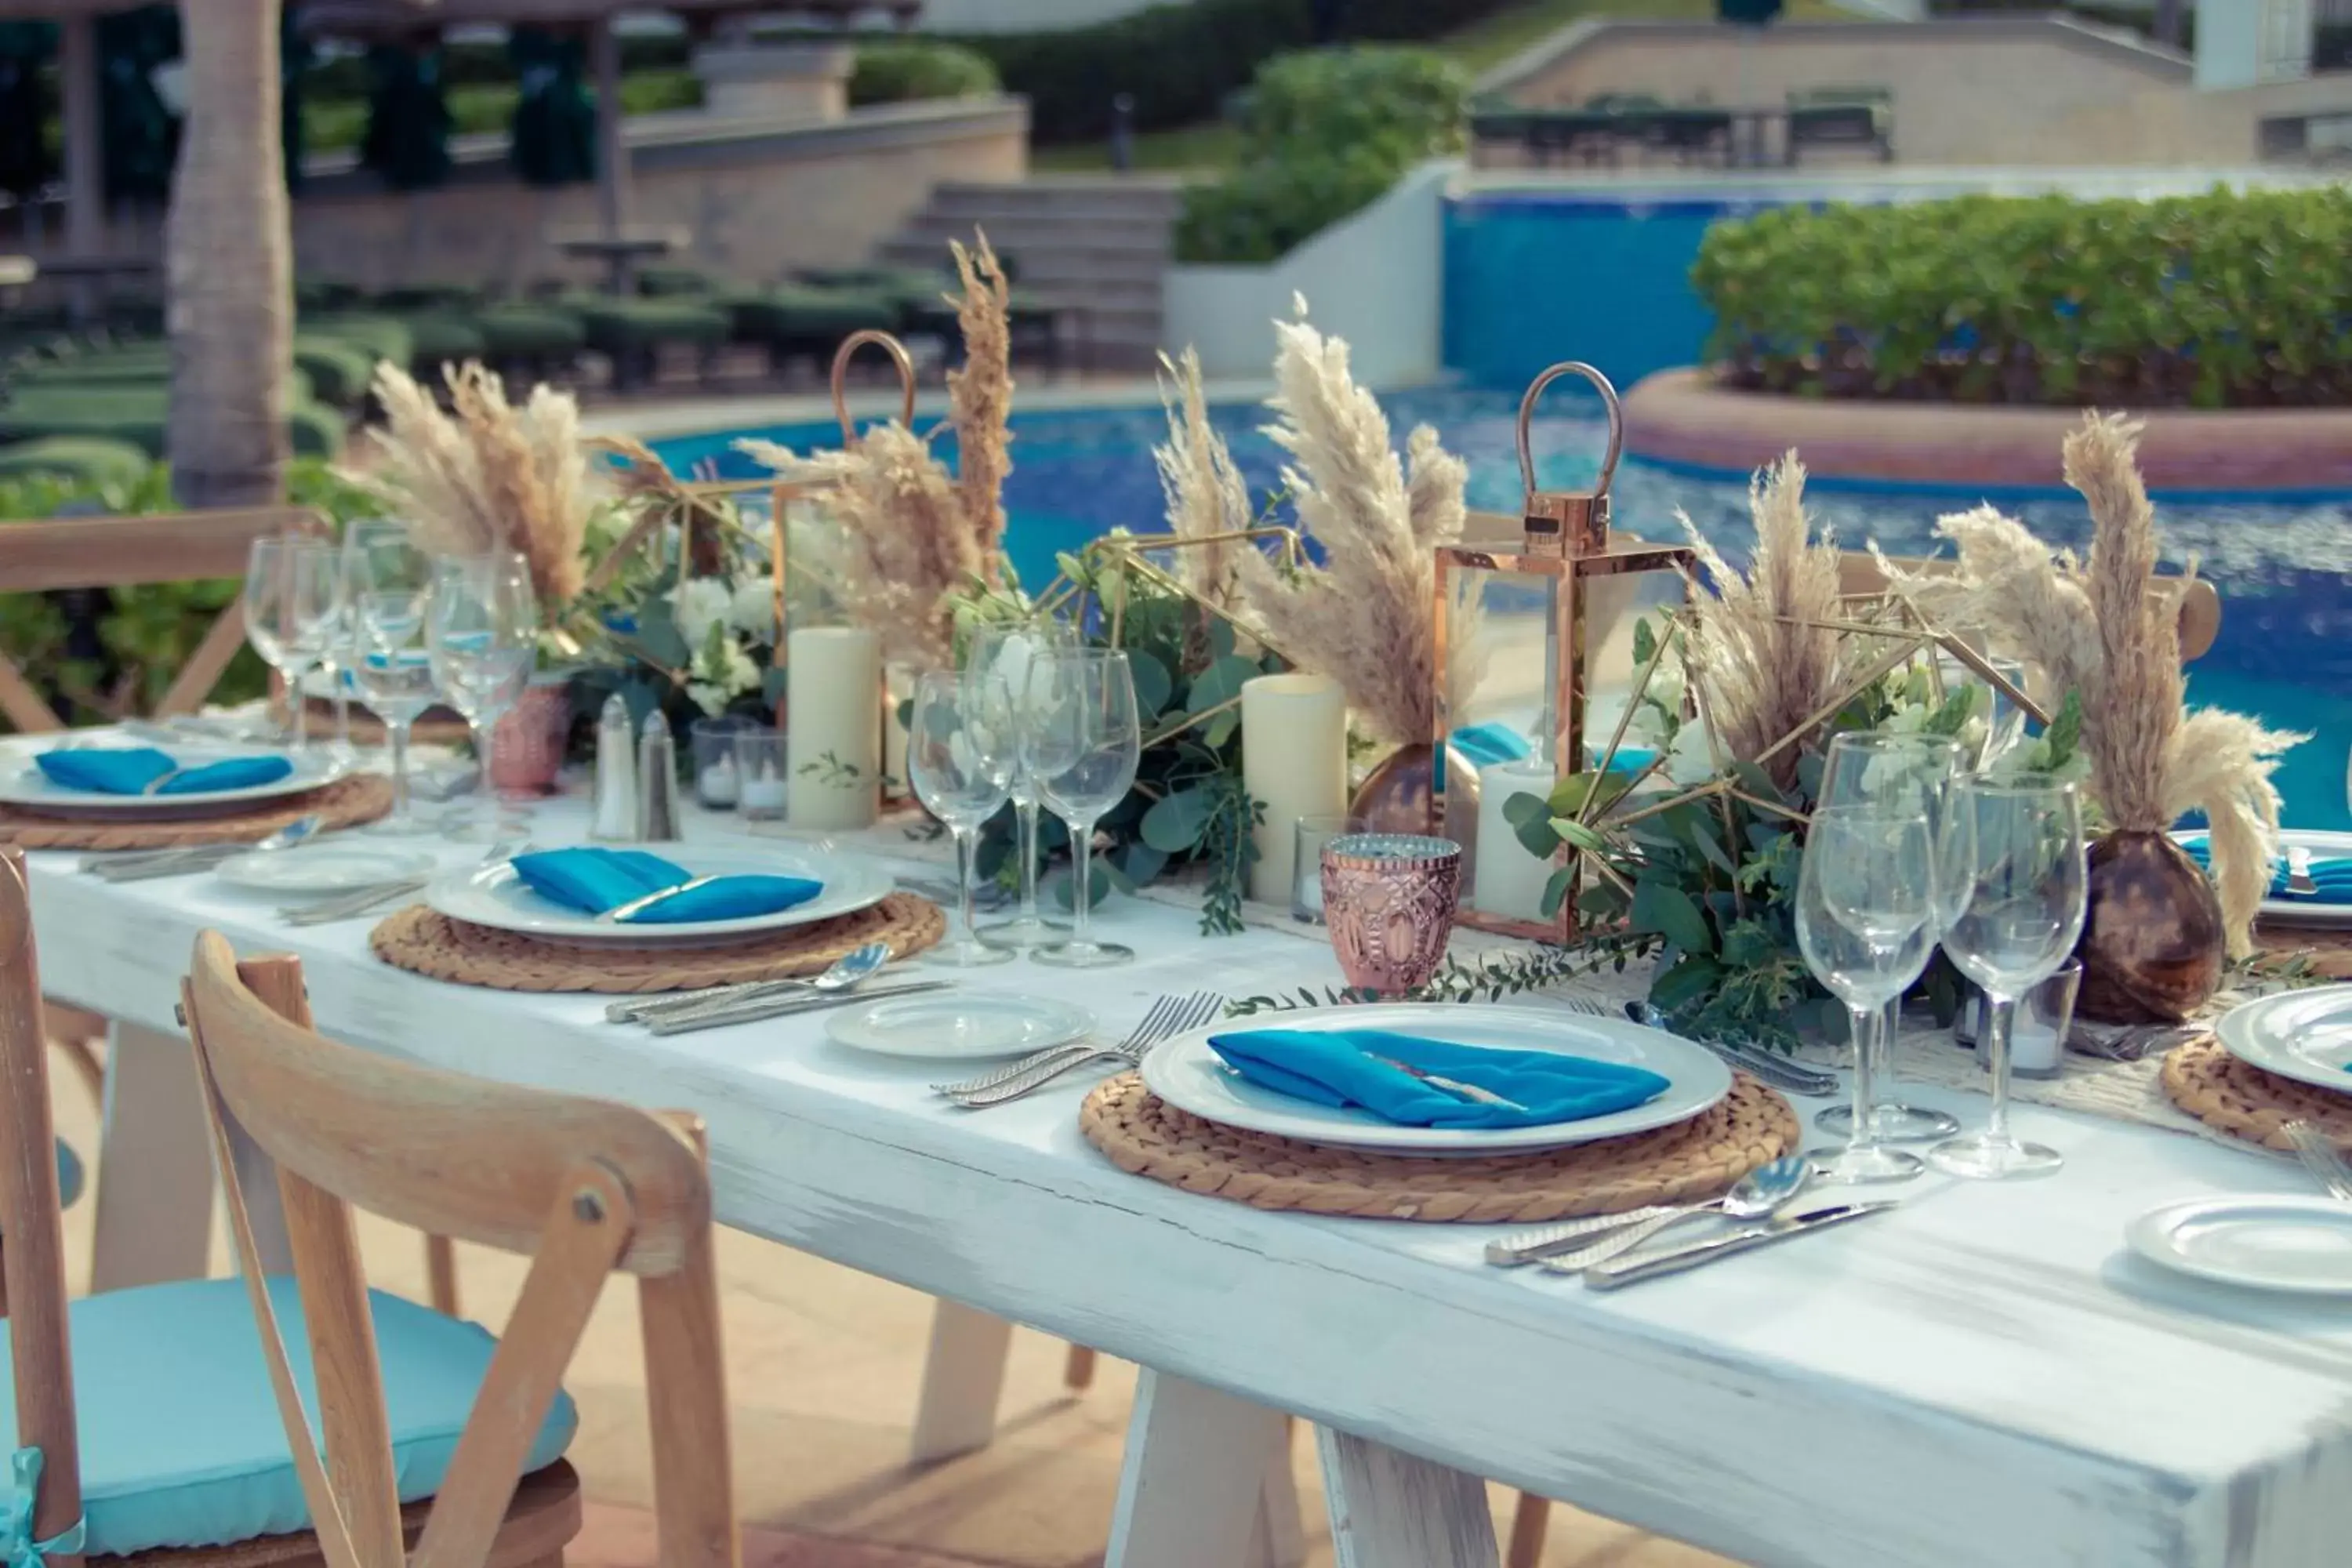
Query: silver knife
758, 1009
637, 1008
1527, 1245
1632, 1270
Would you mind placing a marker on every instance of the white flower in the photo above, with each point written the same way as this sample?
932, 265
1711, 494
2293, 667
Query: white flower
740, 674
698, 603
709, 699
753, 609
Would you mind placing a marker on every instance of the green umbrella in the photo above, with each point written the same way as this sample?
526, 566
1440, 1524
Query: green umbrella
142, 134
295, 56
555, 119
26, 162
408, 141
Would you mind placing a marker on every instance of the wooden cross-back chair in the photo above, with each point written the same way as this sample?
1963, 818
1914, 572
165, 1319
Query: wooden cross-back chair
583, 1187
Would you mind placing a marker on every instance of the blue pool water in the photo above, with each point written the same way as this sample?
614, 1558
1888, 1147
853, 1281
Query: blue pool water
2285, 646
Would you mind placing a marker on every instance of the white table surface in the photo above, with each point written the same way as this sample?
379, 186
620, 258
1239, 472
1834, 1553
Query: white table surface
1982, 1378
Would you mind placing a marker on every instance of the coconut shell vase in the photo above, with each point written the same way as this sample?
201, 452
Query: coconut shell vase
2153, 941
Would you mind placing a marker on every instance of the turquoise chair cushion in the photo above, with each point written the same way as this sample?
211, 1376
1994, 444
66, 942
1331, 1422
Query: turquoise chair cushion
181, 1441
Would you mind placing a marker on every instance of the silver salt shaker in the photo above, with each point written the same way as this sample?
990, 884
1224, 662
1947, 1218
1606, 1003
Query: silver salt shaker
656, 782
614, 818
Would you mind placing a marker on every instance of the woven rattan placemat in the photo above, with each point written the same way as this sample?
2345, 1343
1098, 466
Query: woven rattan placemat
343, 804
2241, 1099
1696, 1159
417, 939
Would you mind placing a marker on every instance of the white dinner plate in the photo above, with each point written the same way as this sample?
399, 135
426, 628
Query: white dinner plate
495, 896
335, 867
23, 784
1186, 1073
976, 1027
2301, 1245
2303, 1035
2322, 846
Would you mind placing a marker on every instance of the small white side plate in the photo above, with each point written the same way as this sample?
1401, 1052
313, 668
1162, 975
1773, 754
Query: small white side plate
975, 1026
2299, 1245
2303, 1035
324, 868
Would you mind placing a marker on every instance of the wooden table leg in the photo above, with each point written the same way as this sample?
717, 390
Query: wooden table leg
1390, 1509
1277, 1541
1192, 1485
1530, 1521
964, 1378
1078, 1369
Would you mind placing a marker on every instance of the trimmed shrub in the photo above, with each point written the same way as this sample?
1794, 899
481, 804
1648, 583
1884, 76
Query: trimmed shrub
2224, 300
1328, 132
901, 70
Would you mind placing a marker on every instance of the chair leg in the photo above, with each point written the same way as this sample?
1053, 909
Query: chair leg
1078, 1369
83, 1055
441, 1274
1530, 1521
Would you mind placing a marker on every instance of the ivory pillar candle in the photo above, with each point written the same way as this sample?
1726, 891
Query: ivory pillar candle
833, 726
1506, 880
1293, 763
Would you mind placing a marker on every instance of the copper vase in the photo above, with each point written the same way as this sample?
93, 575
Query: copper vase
527, 744
1400, 795
2152, 939
1389, 901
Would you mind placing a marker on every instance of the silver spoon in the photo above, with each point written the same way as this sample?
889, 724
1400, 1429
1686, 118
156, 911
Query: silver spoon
1756, 1195
840, 975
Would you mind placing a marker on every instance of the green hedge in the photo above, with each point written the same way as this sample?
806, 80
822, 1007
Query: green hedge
2224, 300
1181, 62
901, 70
1326, 132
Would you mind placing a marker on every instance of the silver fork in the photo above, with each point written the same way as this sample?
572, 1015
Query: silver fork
2321, 1158
1170, 1016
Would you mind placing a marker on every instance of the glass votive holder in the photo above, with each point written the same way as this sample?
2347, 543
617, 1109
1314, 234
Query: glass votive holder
760, 786
1307, 865
2038, 1028
712, 744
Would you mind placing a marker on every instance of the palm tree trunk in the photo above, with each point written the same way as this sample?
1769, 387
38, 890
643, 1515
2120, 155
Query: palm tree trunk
231, 265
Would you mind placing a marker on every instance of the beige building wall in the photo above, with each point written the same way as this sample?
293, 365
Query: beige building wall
2029, 92
748, 203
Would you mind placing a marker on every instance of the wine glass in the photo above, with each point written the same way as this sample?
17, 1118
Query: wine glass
962, 754
388, 582
2021, 862
998, 664
482, 642
1080, 740
293, 590
1911, 773
1865, 924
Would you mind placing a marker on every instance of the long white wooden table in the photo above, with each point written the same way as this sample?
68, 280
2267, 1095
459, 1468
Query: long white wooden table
1983, 1379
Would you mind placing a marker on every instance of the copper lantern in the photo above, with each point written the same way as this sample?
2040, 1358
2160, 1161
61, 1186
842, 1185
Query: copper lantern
1537, 680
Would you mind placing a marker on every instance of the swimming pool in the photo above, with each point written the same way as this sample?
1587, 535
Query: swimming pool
2284, 650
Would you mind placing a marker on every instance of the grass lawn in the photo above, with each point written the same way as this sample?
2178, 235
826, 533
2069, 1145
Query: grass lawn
1479, 47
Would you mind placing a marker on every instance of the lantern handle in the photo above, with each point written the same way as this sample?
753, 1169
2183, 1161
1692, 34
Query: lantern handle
1527, 418
899, 356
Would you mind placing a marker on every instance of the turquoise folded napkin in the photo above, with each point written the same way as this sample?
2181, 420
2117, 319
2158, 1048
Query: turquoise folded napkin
2331, 874
1484, 745
600, 879
129, 770
1337, 1068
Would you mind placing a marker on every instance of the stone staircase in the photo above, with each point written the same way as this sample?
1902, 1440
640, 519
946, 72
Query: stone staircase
1096, 244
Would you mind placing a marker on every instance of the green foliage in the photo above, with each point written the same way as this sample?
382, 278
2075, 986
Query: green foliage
1491, 979
898, 70
1325, 133
144, 634
2224, 300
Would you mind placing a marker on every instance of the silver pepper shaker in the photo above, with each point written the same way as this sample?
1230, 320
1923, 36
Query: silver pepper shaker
614, 819
656, 782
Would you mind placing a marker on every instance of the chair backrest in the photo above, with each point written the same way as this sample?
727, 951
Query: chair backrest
33, 1260
583, 1186
130, 551
2200, 606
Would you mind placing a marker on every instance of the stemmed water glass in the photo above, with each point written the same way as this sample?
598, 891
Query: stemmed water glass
388, 582
1865, 924
1080, 740
962, 754
1911, 774
997, 665
2022, 877
293, 598
481, 641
